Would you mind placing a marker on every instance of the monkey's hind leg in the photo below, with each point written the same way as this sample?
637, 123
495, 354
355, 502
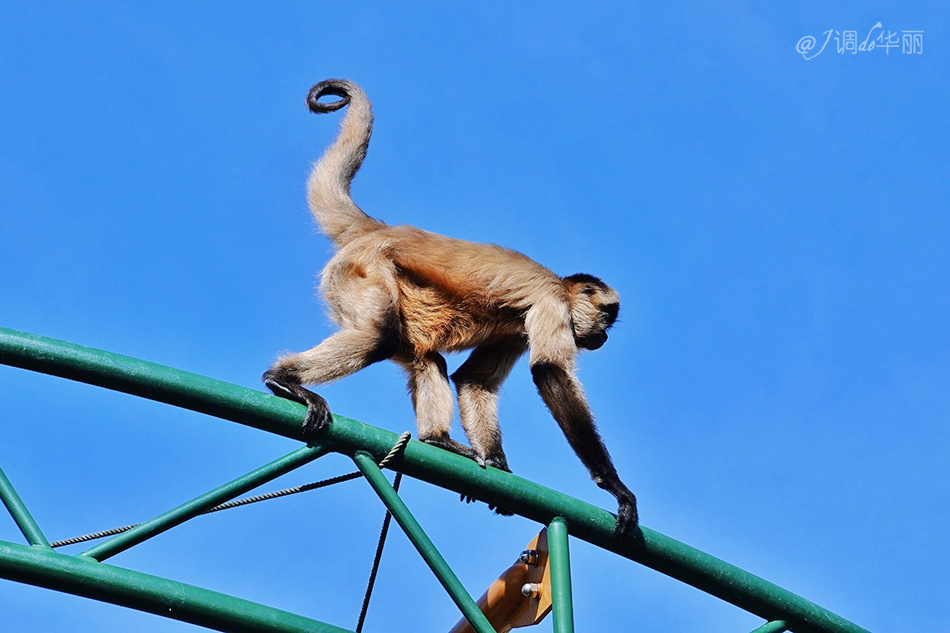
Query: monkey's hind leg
340, 355
478, 381
433, 402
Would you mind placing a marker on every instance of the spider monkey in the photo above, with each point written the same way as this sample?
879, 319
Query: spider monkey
404, 294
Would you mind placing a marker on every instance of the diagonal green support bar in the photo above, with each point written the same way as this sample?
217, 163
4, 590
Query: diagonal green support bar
85, 577
428, 463
776, 626
422, 543
559, 558
199, 505
22, 517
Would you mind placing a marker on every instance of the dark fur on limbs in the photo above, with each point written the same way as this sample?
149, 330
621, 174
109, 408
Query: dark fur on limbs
575, 419
282, 384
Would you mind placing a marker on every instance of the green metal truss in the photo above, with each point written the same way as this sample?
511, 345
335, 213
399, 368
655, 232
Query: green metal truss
85, 574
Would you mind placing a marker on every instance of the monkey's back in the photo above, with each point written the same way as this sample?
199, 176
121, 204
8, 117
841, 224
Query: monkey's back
451, 294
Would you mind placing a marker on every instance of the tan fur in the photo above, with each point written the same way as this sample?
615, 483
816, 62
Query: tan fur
452, 294
478, 381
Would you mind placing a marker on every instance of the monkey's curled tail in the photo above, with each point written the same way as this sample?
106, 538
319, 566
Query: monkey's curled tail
328, 188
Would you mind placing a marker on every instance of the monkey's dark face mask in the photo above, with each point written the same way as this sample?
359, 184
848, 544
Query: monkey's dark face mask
591, 341
594, 310
597, 338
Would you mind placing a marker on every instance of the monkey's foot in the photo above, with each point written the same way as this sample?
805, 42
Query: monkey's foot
447, 443
318, 412
495, 461
497, 510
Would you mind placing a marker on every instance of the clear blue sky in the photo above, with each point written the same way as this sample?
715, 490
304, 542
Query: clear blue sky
777, 393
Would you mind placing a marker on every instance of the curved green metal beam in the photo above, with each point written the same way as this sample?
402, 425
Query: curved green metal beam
436, 466
86, 577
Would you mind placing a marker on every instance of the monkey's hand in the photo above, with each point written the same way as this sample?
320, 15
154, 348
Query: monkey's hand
627, 516
318, 412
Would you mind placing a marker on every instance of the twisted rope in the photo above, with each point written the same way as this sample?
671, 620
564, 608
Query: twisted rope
395, 450
376, 560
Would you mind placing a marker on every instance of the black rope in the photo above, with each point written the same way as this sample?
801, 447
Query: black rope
224, 506
379, 556
395, 450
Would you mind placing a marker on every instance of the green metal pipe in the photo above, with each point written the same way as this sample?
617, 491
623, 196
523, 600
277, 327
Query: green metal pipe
85, 577
439, 467
776, 626
559, 558
422, 543
199, 505
144, 379
21, 515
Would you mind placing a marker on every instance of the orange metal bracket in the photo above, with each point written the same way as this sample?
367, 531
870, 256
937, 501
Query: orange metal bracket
521, 596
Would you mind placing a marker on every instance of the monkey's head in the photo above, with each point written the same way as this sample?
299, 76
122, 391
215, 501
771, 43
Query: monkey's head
594, 308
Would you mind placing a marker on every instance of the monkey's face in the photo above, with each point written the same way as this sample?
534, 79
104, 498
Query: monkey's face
594, 309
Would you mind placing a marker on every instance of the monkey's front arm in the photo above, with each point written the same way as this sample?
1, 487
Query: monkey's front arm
563, 395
